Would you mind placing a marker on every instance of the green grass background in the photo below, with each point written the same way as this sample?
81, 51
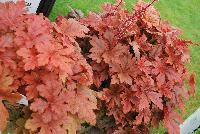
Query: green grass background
184, 14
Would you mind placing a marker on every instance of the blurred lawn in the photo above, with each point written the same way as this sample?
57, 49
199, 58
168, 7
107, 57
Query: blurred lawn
184, 14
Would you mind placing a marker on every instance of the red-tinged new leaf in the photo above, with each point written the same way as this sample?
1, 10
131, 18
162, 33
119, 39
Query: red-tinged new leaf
6, 41
45, 53
29, 58
64, 63
32, 80
53, 127
100, 73
39, 27
114, 54
125, 68
143, 116
159, 70
156, 98
145, 65
161, 79
9, 58
7, 92
52, 107
112, 96
83, 73
125, 78
142, 43
173, 75
34, 31
72, 28
144, 103
51, 87
10, 12
6, 80
115, 79
39, 105
99, 47
165, 72
56, 56
151, 16
166, 89
83, 103
173, 57
129, 100
49, 111
126, 106
136, 49
93, 20
172, 120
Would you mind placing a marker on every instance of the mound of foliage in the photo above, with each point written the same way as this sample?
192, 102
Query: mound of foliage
42, 60
114, 72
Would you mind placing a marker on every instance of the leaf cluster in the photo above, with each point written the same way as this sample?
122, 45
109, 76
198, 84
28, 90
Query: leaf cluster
142, 59
121, 71
42, 60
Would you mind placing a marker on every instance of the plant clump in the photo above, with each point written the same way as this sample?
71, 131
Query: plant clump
142, 60
42, 60
114, 72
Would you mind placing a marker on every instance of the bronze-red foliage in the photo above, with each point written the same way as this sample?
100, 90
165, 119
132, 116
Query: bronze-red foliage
43, 60
145, 60
135, 60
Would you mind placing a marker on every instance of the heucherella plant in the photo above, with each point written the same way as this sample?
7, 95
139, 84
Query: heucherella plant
142, 59
43, 61
118, 71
